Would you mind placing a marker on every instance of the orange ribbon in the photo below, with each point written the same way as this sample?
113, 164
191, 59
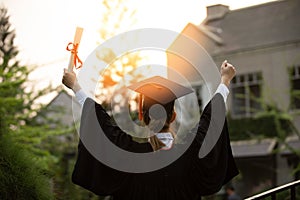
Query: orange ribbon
141, 107
74, 51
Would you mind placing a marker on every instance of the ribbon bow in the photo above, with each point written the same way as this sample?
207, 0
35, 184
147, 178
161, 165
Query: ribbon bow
74, 51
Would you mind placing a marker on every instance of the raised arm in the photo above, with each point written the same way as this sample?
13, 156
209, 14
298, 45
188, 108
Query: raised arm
213, 164
214, 118
112, 131
70, 81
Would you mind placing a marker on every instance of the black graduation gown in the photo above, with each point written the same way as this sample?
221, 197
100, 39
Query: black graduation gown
188, 177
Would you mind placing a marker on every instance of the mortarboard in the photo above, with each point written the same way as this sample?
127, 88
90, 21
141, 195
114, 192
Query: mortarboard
159, 89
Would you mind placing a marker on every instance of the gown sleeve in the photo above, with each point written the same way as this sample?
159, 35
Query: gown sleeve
210, 172
88, 172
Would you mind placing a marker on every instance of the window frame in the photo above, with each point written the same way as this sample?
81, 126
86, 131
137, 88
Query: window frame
293, 76
244, 81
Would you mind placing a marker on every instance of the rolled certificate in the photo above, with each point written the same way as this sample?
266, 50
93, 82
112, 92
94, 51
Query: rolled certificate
74, 58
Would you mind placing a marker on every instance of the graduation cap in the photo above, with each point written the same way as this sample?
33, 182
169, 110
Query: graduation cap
159, 89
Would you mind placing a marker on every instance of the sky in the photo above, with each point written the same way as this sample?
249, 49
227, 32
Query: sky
44, 27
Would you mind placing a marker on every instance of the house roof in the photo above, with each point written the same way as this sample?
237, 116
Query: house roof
253, 148
292, 144
61, 108
257, 26
264, 147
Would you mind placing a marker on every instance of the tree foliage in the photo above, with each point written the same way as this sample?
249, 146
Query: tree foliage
22, 175
118, 16
269, 122
12, 77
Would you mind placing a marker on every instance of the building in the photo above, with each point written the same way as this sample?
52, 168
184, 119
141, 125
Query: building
263, 43
62, 108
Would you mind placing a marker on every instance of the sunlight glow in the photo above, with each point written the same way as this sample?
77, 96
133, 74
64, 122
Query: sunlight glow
43, 34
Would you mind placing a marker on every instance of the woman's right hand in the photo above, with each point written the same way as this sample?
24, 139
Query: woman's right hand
70, 81
227, 73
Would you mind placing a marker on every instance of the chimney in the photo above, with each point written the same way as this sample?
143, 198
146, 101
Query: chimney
216, 11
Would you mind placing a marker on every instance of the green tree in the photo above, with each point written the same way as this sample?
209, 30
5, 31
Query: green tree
12, 77
37, 152
23, 175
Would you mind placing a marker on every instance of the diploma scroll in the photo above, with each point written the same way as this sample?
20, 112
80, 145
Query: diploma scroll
74, 59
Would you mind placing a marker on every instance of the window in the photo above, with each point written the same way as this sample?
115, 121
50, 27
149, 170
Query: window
246, 94
295, 87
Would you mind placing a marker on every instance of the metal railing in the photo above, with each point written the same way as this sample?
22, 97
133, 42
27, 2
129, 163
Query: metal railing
273, 192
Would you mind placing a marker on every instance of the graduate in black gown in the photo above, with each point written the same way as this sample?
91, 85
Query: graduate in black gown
189, 176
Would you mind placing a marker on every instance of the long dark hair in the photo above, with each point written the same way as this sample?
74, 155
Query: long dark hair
169, 109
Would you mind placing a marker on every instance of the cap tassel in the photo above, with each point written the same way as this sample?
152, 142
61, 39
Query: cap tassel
141, 107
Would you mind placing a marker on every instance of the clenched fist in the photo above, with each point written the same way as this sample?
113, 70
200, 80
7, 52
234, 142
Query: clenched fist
70, 81
227, 73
